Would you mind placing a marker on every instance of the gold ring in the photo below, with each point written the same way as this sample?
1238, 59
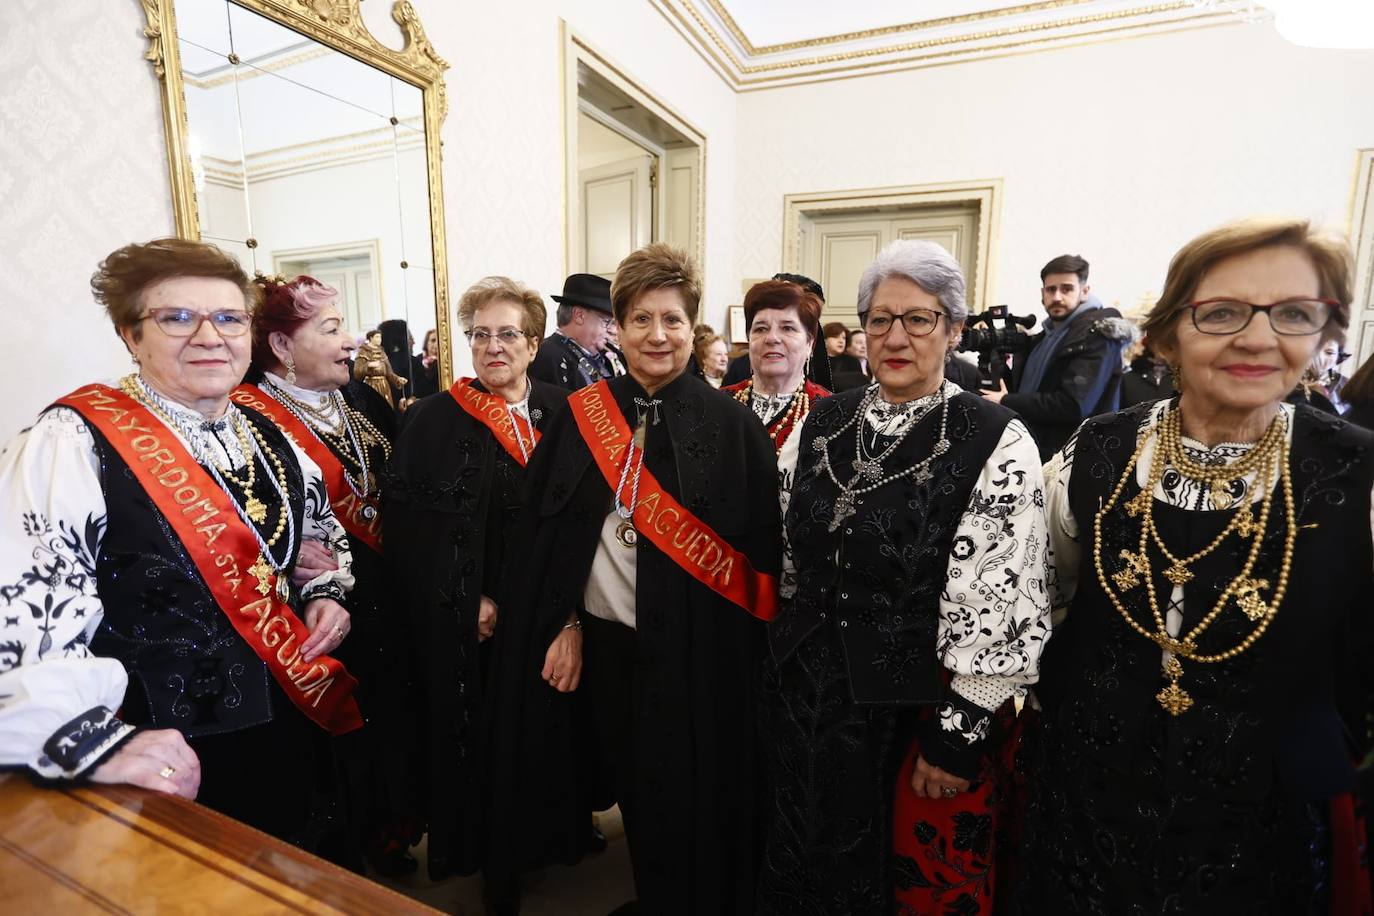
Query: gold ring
167, 772
338, 630
948, 791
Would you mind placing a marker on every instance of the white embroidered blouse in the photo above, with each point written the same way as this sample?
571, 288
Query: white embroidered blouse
52, 507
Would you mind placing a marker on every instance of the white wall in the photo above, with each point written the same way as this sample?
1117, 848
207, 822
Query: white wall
1119, 152
82, 171
83, 167
503, 153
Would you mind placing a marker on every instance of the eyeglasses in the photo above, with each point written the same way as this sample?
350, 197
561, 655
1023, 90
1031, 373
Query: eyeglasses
179, 322
481, 337
917, 322
1291, 318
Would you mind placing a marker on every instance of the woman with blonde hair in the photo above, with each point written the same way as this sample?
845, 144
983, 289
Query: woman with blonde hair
1207, 686
452, 498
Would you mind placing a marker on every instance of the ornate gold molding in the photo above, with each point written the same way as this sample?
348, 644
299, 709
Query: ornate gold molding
253, 71
745, 72
737, 33
338, 24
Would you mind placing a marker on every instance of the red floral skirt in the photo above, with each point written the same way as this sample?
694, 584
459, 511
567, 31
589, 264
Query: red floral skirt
955, 856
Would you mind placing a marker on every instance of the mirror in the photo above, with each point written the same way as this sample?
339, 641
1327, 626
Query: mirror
302, 145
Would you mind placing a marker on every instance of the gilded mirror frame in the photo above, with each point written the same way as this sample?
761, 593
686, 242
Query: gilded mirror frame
337, 24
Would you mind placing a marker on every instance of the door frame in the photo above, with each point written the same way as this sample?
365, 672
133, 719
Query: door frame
576, 49
984, 194
1361, 234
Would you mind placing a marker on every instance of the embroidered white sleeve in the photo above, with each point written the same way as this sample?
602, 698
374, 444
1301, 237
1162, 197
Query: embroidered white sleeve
52, 512
322, 525
994, 613
1065, 552
56, 716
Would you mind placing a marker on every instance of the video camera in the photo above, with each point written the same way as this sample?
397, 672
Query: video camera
996, 345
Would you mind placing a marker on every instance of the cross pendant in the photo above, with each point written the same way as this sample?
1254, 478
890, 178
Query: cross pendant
262, 572
844, 507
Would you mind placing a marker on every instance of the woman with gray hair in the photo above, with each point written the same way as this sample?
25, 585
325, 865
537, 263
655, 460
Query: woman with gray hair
918, 529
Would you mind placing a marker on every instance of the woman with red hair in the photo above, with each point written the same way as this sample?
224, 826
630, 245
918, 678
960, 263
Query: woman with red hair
783, 320
300, 380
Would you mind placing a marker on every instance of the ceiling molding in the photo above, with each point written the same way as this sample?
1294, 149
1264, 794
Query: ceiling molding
737, 33
1029, 27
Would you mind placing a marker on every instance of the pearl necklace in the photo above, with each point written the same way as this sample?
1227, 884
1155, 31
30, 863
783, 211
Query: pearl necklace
871, 469
252, 511
350, 420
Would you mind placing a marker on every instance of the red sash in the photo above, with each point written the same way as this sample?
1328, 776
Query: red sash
352, 510
491, 412
688, 541
224, 551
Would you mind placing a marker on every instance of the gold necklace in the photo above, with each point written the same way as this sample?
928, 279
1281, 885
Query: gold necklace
1269, 459
252, 506
349, 444
799, 407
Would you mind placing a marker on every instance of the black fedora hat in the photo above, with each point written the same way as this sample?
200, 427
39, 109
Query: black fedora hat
587, 290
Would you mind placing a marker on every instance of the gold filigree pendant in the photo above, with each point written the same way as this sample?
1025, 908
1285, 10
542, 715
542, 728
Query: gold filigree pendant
1222, 499
1247, 525
1249, 600
263, 573
1138, 503
1178, 574
255, 510
1128, 577
1174, 698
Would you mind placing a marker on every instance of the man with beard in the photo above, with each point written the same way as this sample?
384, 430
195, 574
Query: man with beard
1073, 370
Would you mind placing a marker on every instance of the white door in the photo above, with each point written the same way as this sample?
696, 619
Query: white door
836, 249
617, 212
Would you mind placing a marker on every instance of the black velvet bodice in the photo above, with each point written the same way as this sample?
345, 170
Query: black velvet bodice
879, 576
188, 667
1273, 713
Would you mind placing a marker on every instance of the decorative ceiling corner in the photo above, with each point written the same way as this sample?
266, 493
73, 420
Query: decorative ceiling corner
752, 45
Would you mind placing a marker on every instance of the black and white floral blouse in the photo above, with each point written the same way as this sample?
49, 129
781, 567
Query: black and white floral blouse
53, 692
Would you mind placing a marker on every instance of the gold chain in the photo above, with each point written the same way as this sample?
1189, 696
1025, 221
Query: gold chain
1269, 460
253, 507
800, 407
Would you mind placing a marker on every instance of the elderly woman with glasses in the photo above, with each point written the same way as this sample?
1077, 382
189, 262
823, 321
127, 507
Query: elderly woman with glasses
450, 499
1208, 685
151, 632
917, 529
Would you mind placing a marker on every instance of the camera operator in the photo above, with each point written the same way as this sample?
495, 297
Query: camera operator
1073, 369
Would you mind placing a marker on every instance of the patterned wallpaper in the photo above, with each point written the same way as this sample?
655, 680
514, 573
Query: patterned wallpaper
82, 171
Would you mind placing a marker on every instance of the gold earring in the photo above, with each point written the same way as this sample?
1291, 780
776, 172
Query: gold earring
1176, 376
290, 372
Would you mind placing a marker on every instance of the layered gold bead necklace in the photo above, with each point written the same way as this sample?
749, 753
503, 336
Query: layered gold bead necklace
799, 407
356, 435
252, 511
1268, 461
